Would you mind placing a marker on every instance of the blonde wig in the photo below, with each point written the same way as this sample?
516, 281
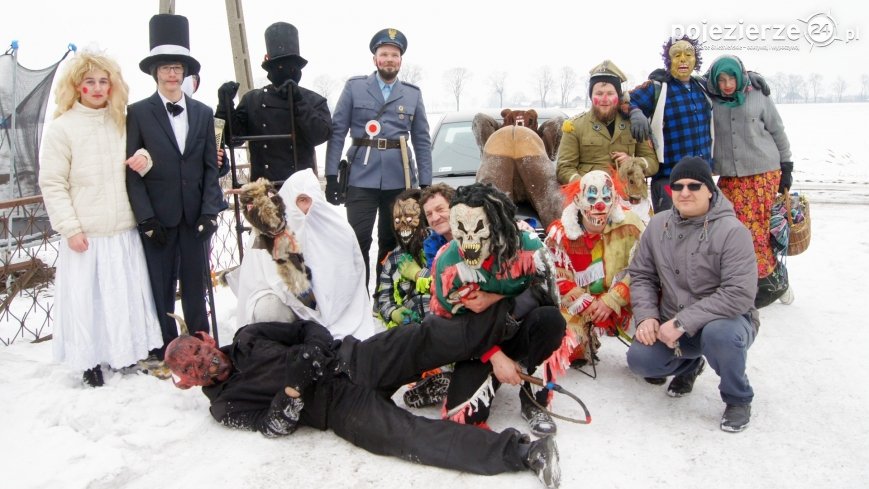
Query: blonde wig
66, 93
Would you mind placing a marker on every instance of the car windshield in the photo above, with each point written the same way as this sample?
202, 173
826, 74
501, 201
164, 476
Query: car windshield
455, 150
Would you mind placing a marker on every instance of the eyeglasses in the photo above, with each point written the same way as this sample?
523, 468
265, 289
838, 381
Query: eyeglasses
678, 187
172, 68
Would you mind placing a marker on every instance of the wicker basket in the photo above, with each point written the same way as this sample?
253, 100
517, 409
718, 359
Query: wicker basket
801, 232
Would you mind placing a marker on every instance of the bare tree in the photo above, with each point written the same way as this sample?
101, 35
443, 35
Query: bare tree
796, 86
568, 84
864, 86
816, 85
582, 82
839, 87
543, 84
325, 85
411, 74
779, 85
497, 82
454, 80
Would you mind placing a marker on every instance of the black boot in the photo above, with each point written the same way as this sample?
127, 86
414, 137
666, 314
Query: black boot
542, 458
93, 377
683, 384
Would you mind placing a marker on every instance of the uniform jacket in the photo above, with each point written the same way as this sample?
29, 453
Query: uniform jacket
696, 270
82, 174
405, 115
264, 112
586, 145
178, 185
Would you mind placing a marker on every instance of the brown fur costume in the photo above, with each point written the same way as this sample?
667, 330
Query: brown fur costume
515, 161
265, 210
484, 126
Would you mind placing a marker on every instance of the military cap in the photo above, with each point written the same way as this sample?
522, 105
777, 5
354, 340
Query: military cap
606, 72
388, 36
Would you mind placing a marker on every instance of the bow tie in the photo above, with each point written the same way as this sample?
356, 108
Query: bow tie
174, 109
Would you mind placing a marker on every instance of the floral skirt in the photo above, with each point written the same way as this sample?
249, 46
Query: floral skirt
752, 197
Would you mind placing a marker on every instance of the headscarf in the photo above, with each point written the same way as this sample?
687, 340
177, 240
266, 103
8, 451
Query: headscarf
731, 66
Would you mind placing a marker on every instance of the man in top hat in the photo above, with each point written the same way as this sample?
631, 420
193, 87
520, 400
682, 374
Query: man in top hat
177, 200
601, 138
381, 112
282, 107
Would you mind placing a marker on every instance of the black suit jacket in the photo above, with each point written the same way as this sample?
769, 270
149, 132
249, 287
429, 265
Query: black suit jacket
178, 185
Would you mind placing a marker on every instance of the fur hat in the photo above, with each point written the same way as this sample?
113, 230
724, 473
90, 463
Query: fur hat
606, 72
282, 42
388, 36
170, 42
694, 168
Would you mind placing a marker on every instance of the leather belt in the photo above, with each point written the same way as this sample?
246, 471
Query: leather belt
378, 143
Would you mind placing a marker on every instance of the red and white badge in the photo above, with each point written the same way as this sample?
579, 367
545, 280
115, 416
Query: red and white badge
372, 128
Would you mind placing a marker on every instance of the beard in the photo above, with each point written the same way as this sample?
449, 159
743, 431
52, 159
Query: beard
604, 114
387, 74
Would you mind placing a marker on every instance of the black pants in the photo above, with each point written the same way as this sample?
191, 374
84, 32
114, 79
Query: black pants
182, 257
359, 413
539, 334
363, 205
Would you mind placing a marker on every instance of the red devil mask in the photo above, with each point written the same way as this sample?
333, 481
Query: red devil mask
196, 360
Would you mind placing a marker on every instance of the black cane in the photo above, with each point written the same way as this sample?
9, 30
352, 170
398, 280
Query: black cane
239, 228
209, 289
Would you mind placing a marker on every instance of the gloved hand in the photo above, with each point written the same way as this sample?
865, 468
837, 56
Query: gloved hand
227, 91
408, 268
282, 417
305, 365
287, 87
758, 82
660, 75
333, 190
640, 128
153, 231
787, 178
400, 315
206, 225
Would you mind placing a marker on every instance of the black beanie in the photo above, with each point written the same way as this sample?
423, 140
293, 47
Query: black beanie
612, 80
694, 168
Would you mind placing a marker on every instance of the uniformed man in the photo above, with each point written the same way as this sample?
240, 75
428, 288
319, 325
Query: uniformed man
601, 139
266, 111
381, 112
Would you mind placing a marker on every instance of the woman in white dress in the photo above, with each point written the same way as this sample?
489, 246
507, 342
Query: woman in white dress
104, 310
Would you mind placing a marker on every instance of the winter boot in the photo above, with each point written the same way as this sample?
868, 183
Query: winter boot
429, 391
542, 458
684, 384
540, 422
93, 377
655, 380
736, 417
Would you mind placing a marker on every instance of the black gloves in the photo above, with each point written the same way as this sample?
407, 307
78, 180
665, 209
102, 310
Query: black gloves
282, 417
227, 90
287, 87
153, 231
759, 83
206, 225
333, 190
305, 365
640, 128
787, 179
660, 75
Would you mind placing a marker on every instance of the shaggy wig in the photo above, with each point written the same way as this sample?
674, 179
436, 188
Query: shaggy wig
73, 75
500, 211
698, 48
415, 247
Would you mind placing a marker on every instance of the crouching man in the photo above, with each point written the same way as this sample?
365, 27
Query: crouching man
277, 376
693, 282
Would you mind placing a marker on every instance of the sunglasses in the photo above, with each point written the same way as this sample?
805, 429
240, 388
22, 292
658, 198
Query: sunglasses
678, 187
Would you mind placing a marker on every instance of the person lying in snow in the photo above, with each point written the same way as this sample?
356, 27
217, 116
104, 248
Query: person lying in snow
277, 376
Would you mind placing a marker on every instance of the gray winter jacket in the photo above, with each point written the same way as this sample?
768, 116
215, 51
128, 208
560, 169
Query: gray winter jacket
696, 270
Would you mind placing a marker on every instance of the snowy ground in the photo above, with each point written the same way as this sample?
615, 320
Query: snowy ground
807, 366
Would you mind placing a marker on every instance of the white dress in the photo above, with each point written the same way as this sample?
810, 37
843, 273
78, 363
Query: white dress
104, 310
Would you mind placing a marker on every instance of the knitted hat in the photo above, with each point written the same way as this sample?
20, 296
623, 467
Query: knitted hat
694, 168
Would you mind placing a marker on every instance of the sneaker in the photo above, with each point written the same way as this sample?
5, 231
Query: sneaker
542, 458
684, 384
736, 417
540, 421
788, 297
655, 380
428, 391
93, 377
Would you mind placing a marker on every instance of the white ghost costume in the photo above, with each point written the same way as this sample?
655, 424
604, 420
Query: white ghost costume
332, 253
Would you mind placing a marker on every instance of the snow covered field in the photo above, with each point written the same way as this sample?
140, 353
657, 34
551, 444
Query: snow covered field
808, 367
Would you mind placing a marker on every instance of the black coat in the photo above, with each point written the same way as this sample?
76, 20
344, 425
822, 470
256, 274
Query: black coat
264, 112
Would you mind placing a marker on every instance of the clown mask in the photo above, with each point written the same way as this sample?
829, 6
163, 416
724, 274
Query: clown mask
472, 230
595, 198
407, 222
683, 59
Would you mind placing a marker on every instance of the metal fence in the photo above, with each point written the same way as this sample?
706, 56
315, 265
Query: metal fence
28, 257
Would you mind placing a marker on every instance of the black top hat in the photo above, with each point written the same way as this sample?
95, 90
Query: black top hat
282, 41
388, 36
170, 41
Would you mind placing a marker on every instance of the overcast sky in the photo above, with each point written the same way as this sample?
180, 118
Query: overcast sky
512, 36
